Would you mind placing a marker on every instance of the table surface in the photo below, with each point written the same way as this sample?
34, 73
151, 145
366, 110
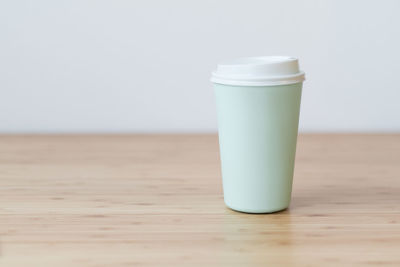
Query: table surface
156, 200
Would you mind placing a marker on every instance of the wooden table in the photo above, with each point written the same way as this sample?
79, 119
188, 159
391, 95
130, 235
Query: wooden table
156, 200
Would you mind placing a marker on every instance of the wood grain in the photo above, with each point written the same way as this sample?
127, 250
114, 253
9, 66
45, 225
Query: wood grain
156, 200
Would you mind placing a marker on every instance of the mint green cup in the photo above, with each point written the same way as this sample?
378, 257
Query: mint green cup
258, 102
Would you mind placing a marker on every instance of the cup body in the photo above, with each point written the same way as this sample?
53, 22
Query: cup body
257, 128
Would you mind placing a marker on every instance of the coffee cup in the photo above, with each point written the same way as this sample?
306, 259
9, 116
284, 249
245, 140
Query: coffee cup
258, 103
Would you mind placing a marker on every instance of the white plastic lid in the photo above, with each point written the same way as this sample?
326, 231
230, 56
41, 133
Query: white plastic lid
259, 71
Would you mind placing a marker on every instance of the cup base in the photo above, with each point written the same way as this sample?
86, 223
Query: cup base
256, 211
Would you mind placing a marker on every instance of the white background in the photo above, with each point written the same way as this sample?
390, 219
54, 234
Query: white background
144, 66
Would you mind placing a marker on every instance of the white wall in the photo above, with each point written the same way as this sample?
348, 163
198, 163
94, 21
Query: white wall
144, 66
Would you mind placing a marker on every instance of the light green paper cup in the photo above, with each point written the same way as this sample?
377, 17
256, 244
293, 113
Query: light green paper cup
258, 102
